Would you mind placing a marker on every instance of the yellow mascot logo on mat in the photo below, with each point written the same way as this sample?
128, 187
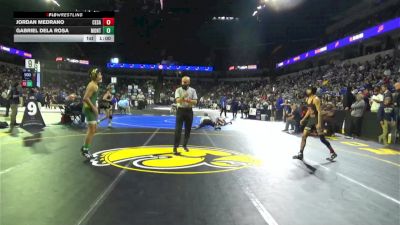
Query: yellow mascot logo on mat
160, 159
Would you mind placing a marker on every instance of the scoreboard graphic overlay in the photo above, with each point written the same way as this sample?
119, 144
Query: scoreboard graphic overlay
64, 26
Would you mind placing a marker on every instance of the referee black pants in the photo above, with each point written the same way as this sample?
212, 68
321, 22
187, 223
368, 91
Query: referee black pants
183, 115
223, 109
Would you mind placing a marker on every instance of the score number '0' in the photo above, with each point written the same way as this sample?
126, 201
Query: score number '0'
108, 22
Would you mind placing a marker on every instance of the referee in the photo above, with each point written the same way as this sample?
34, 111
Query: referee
185, 97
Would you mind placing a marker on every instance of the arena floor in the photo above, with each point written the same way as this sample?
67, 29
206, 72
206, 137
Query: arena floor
242, 175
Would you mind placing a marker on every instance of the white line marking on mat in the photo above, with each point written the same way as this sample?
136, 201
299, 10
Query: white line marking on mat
358, 183
253, 198
93, 208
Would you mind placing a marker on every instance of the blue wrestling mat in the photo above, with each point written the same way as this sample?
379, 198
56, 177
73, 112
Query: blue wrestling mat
145, 121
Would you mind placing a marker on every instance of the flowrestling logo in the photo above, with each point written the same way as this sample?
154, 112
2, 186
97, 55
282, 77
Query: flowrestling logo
159, 159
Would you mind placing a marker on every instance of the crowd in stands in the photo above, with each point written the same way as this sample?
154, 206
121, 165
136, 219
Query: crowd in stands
338, 84
57, 86
333, 82
8, 75
355, 88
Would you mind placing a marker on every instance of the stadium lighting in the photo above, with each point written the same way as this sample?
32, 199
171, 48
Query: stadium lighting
53, 1
159, 67
259, 7
225, 18
281, 4
371, 32
14, 51
114, 60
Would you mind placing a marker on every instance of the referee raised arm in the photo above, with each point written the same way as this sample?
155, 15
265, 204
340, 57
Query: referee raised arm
185, 97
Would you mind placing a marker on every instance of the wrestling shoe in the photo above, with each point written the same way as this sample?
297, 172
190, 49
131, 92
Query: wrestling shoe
333, 156
299, 156
185, 148
86, 154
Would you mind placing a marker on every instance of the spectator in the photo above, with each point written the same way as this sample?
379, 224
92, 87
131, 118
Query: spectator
272, 109
234, 108
328, 116
201, 102
14, 102
4, 95
366, 100
245, 110
387, 117
376, 100
386, 93
141, 100
357, 113
397, 95
47, 100
293, 119
348, 99
397, 107
222, 103
8, 100
279, 108
286, 109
